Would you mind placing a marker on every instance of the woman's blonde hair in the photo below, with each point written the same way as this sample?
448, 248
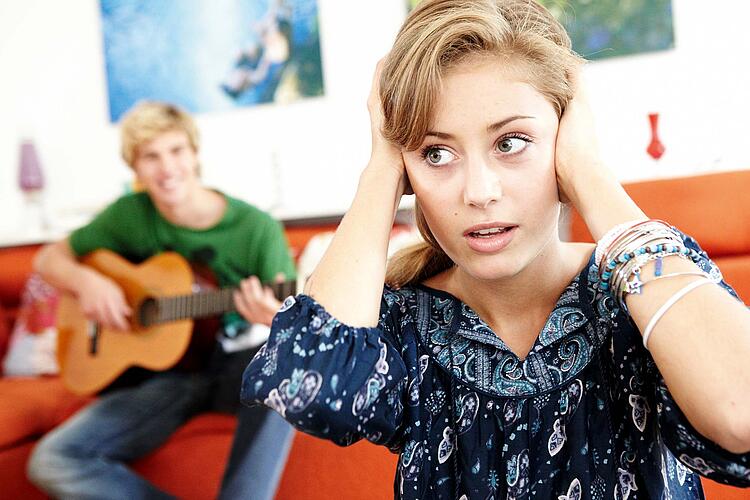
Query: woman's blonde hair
437, 36
149, 119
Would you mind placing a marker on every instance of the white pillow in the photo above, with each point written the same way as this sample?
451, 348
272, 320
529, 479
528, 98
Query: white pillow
32, 349
318, 245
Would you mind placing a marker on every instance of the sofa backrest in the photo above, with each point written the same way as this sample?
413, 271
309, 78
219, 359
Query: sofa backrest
298, 236
713, 208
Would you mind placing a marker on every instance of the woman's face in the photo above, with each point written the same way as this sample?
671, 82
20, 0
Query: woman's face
484, 174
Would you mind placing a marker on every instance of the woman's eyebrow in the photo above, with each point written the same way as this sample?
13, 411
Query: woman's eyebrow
498, 125
490, 128
439, 135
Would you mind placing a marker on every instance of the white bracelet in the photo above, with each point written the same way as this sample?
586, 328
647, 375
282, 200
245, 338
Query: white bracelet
669, 303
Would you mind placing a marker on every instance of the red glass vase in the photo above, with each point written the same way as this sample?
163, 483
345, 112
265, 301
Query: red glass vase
655, 148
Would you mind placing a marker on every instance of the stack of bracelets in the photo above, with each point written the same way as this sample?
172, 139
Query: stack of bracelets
625, 249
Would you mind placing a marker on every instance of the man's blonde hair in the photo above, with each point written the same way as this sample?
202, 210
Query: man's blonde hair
149, 119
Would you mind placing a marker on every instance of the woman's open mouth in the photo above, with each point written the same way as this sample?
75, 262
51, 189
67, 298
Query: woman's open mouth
489, 238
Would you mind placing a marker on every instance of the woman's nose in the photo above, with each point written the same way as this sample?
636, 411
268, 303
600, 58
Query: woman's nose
482, 185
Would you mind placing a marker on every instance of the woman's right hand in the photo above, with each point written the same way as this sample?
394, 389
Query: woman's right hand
384, 155
360, 246
102, 300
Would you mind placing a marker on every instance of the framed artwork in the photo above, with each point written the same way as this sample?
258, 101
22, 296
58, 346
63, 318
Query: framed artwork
210, 56
611, 28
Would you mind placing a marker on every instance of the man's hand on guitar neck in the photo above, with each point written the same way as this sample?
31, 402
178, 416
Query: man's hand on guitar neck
102, 300
256, 303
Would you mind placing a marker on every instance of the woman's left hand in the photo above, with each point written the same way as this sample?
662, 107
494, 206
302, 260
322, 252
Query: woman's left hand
582, 178
576, 152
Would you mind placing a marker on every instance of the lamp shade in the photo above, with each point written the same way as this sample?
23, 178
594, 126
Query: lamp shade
30, 175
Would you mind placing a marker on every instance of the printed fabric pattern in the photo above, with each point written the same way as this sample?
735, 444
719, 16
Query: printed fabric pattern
585, 415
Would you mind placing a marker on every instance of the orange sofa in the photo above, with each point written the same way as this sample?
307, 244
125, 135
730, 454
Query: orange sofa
715, 210
191, 463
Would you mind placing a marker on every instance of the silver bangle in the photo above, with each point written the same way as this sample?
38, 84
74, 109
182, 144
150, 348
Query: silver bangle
669, 303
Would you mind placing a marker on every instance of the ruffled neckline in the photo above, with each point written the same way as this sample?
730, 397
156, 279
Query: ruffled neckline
462, 343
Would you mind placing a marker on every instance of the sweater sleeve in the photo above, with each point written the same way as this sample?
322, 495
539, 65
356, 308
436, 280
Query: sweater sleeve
689, 446
328, 379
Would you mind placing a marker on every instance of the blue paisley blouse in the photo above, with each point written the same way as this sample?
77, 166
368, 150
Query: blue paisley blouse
585, 415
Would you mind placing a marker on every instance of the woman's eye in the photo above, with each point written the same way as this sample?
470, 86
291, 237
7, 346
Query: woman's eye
437, 156
512, 145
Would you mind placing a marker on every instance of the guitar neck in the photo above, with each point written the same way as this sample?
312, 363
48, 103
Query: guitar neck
202, 304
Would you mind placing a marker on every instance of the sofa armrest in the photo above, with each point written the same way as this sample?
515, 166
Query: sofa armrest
17, 264
5, 328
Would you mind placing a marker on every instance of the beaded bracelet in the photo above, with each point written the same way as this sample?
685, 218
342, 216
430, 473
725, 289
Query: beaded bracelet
622, 277
625, 271
642, 234
609, 269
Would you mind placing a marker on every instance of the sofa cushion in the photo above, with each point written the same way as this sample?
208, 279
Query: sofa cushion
13, 481
717, 491
317, 467
32, 348
200, 448
736, 271
33, 405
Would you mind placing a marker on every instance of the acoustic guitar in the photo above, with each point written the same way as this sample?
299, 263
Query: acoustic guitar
161, 293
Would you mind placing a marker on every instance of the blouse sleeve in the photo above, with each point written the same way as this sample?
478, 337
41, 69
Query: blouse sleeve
328, 379
688, 445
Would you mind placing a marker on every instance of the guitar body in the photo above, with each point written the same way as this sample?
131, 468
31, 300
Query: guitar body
88, 363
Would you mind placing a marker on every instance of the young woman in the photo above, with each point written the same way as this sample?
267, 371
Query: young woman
499, 361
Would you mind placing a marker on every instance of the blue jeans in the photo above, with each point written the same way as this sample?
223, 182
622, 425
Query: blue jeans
86, 457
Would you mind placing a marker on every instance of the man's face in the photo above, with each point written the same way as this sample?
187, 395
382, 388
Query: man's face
167, 167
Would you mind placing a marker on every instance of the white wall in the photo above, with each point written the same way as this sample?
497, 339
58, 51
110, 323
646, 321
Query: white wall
304, 158
701, 90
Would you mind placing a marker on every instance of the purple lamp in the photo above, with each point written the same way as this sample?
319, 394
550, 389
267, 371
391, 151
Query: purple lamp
30, 175
31, 182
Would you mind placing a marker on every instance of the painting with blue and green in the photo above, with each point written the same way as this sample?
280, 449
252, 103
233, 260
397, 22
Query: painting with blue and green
609, 28
210, 56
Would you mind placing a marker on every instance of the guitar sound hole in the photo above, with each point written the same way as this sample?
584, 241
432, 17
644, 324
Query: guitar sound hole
149, 312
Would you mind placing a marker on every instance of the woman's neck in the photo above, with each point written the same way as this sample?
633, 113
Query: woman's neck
517, 307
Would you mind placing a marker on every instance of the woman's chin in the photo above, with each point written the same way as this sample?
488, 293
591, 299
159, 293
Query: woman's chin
488, 269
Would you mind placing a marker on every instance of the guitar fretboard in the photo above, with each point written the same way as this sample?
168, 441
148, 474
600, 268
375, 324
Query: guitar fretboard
200, 305
197, 305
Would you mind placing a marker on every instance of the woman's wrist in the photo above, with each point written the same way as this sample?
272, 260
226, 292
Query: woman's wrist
602, 202
384, 173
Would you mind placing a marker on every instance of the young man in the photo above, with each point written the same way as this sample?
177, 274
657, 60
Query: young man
86, 457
